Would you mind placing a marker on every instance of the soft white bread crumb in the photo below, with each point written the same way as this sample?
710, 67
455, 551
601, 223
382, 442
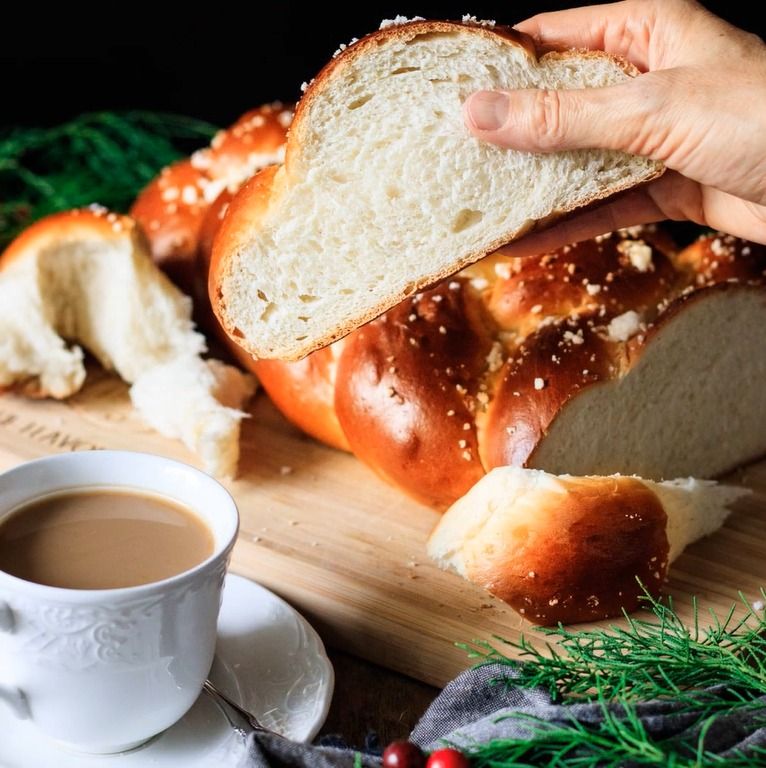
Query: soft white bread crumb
384, 190
168, 393
84, 280
30, 349
564, 548
696, 389
695, 508
502, 494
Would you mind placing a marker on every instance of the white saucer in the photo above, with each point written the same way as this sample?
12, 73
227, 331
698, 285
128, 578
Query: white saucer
268, 659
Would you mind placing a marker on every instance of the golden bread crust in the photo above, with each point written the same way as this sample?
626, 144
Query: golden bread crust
93, 221
173, 207
578, 557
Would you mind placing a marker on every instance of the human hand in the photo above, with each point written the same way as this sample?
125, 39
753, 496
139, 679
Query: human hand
698, 107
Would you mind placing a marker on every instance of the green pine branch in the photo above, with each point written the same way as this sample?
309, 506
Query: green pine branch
101, 157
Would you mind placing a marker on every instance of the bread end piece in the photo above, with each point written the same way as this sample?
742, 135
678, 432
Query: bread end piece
570, 549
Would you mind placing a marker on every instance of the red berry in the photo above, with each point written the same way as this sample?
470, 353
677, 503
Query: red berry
403, 754
447, 758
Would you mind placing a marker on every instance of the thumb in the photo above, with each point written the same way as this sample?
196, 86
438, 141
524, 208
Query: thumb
539, 120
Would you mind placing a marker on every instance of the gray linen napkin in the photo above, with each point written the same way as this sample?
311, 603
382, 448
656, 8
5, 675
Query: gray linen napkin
475, 708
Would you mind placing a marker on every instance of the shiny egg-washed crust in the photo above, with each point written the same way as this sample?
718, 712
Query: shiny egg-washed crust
171, 222
578, 558
76, 225
404, 384
471, 374
173, 207
720, 258
95, 221
304, 390
255, 198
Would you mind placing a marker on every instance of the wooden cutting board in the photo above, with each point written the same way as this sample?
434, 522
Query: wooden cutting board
346, 549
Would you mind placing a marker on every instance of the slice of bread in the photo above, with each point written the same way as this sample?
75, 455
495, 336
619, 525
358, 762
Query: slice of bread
566, 548
384, 190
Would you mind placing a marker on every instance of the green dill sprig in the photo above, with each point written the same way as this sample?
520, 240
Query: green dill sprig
655, 657
101, 157
707, 670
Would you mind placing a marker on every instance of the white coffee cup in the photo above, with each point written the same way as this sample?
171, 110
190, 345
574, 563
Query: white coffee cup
105, 670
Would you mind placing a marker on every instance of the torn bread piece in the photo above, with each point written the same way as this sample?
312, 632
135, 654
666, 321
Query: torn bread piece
569, 549
83, 280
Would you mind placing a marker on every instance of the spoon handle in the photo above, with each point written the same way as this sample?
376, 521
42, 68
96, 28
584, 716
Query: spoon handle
249, 717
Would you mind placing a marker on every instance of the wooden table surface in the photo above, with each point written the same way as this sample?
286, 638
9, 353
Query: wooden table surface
348, 550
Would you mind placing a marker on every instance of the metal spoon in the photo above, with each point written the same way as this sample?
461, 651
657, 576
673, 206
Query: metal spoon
248, 717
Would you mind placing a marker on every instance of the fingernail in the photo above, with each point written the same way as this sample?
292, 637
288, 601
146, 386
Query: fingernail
487, 110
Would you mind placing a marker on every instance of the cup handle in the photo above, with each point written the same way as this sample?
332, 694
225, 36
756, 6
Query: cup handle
14, 697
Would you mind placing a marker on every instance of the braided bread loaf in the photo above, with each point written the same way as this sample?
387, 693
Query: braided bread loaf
608, 356
612, 355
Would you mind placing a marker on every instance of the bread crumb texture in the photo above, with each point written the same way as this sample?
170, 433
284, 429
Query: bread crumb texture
384, 191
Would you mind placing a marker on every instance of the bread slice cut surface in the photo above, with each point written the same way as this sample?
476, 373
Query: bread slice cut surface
384, 190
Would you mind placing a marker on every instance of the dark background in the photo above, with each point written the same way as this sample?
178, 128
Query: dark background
213, 63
